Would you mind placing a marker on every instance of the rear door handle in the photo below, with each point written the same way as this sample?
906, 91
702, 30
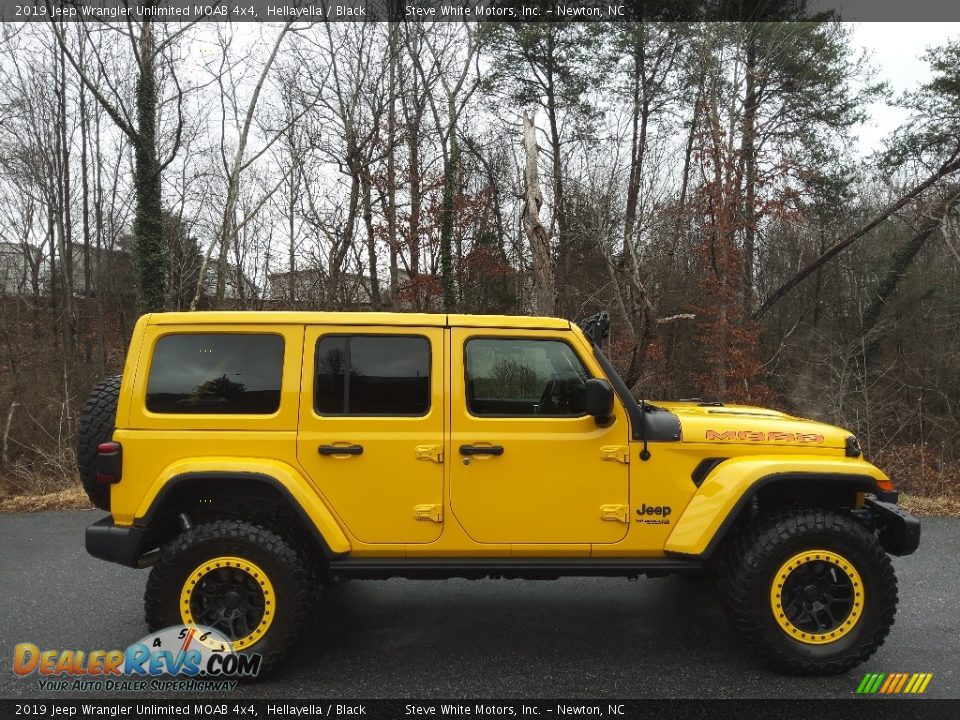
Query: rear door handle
340, 449
481, 450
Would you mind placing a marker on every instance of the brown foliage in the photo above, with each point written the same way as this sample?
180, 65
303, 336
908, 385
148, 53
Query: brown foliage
925, 469
41, 394
726, 337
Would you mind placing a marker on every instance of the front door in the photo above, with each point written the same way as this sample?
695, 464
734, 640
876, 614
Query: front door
371, 428
528, 465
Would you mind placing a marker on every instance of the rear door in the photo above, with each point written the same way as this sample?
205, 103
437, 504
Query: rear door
371, 428
528, 464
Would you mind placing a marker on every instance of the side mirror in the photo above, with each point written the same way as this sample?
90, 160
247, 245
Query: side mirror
599, 400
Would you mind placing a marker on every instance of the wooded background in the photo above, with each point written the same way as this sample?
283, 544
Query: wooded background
698, 180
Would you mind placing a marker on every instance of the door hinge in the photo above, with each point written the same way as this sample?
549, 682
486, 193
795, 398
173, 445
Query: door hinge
430, 452
432, 513
614, 513
617, 453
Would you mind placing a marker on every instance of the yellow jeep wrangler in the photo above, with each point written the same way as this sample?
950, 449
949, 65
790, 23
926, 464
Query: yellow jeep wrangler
249, 457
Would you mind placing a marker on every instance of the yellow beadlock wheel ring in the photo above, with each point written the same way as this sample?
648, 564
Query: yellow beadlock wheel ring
231, 595
817, 597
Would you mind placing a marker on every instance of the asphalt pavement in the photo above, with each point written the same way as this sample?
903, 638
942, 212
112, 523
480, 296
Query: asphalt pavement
571, 638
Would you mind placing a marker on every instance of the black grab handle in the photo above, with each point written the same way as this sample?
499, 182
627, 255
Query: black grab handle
341, 449
481, 450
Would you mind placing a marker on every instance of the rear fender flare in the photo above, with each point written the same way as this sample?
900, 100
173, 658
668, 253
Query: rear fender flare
302, 497
733, 483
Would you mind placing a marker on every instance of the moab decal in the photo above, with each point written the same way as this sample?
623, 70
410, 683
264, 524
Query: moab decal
759, 436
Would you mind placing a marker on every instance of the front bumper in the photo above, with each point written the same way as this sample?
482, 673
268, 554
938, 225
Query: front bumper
115, 543
899, 531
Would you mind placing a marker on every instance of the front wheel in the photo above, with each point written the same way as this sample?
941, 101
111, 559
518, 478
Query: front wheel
239, 578
812, 591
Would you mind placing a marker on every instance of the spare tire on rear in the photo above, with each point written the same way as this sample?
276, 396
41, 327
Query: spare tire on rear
96, 426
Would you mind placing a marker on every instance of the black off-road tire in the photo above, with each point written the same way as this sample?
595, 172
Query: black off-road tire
750, 568
97, 421
285, 565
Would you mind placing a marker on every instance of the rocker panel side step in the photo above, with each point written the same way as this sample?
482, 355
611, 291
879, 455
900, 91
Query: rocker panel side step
531, 568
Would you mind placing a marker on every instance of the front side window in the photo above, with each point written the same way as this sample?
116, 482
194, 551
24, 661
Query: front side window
524, 377
372, 375
216, 374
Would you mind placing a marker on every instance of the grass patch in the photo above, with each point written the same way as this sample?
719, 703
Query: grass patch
942, 506
73, 498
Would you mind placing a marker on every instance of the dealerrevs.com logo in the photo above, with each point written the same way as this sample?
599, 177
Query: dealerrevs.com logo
179, 658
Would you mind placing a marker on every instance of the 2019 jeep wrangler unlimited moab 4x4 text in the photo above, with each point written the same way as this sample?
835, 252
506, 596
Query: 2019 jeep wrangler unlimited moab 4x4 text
246, 457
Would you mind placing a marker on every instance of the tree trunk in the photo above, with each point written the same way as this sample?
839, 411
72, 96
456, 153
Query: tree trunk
391, 201
220, 292
416, 202
749, 159
559, 204
559, 200
450, 169
85, 190
148, 223
65, 222
291, 220
345, 243
638, 141
544, 292
98, 226
375, 300
52, 236
638, 325
681, 221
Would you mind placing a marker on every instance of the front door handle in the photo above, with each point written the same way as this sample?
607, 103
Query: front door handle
481, 450
340, 449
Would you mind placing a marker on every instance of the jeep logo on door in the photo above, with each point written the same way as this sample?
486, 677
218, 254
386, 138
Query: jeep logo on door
758, 436
653, 514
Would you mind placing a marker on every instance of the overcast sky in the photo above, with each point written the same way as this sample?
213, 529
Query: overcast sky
896, 49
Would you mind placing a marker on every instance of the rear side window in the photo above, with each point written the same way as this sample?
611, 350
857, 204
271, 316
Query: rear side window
216, 374
372, 375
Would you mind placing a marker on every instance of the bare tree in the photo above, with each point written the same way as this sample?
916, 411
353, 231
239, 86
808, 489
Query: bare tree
453, 66
150, 54
229, 224
544, 292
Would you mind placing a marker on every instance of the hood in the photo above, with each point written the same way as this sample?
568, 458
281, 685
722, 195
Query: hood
746, 425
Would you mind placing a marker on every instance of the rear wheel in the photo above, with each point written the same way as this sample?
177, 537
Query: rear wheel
812, 591
239, 578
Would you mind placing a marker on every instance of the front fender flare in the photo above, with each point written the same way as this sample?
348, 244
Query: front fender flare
732, 484
282, 476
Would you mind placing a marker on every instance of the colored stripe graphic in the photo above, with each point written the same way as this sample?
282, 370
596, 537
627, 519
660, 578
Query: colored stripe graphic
865, 683
894, 683
886, 685
915, 681
870, 683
